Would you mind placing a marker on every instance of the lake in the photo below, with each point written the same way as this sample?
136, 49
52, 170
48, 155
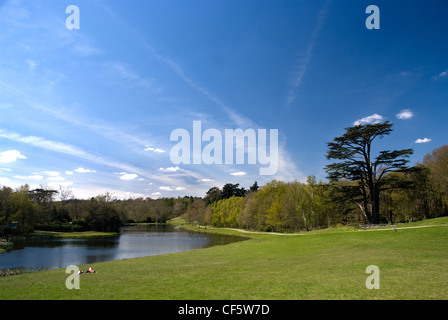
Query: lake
132, 242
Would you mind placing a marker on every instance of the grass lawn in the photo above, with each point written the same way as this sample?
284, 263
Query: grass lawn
327, 264
76, 235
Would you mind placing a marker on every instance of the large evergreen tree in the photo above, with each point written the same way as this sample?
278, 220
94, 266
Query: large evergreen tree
353, 152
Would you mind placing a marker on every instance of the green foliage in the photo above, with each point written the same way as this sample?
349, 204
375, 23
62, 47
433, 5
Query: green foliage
276, 206
225, 212
355, 162
228, 190
407, 195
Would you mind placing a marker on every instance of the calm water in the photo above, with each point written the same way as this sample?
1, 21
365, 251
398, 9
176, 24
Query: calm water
133, 241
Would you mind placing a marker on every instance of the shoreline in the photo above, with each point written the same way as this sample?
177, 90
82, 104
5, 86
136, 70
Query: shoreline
74, 235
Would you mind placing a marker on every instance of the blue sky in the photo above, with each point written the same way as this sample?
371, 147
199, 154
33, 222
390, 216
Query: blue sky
93, 108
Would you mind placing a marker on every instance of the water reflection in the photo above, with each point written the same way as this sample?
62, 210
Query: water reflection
132, 242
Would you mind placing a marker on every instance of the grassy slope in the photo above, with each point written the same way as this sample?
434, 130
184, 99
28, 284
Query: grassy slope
321, 265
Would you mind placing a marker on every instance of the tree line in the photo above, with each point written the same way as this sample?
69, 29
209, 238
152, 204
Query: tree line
24, 210
362, 189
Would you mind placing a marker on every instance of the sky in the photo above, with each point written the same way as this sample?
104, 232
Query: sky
96, 106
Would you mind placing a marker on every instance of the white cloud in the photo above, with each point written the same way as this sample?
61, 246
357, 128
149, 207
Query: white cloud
53, 146
156, 194
170, 169
69, 173
5, 169
128, 176
405, 114
56, 178
172, 188
56, 185
82, 170
10, 156
205, 180
239, 173
374, 118
155, 150
77, 152
4, 181
51, 173
33, 177
53, 176
424, 140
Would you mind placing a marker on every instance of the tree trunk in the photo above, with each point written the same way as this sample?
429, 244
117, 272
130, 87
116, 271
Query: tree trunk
375, 200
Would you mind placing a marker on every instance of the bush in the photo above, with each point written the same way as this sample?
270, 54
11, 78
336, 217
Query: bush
80, 225
56, 226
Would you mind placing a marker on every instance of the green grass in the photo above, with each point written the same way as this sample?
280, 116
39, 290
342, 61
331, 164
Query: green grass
76, 235
327, 264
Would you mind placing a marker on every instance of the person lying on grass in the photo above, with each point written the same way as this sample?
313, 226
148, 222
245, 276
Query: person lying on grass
88, 271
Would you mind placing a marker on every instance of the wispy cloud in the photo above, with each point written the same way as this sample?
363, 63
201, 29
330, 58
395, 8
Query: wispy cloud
443, 74
45, 144
239, 173
31, 64
164, 188
57, 178
32, 177
374, 118
124, 168
299, 69
239, 119
52, 173
132, 79
110, 132
56, 146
